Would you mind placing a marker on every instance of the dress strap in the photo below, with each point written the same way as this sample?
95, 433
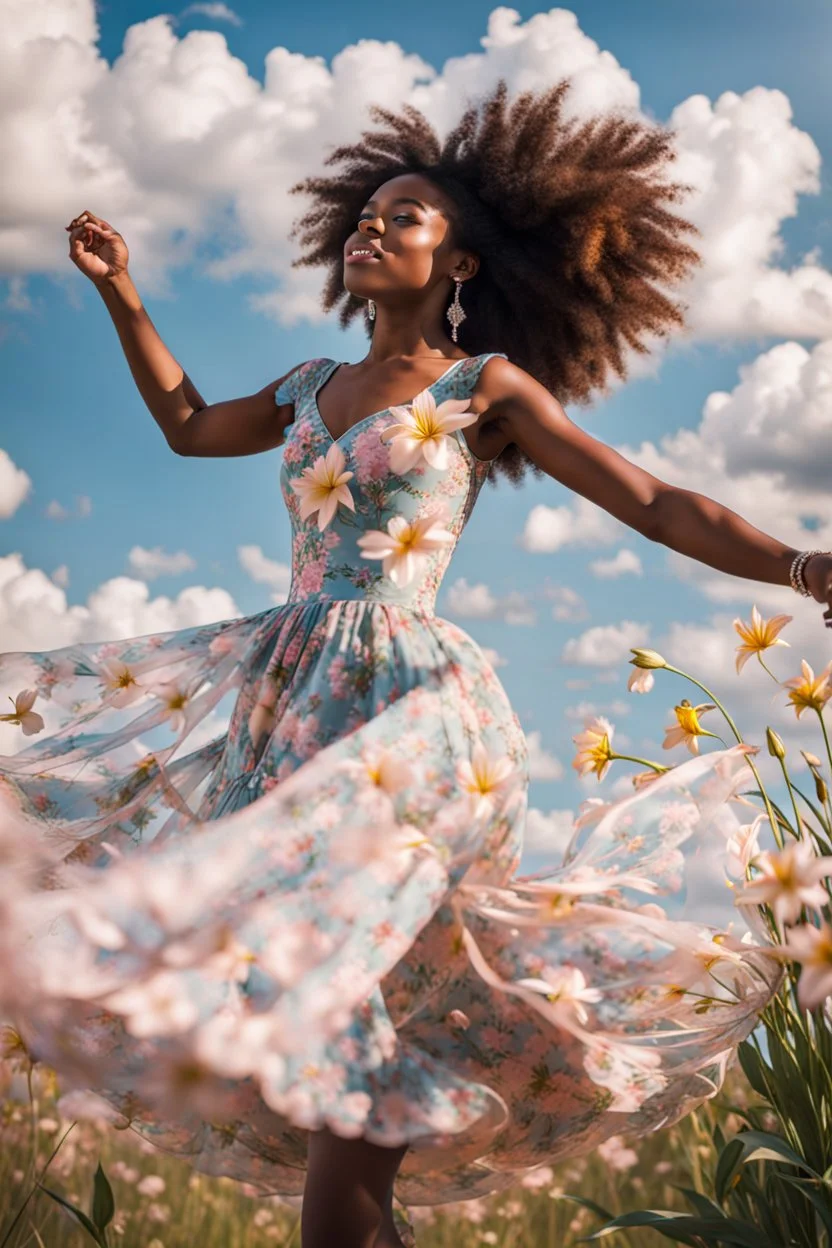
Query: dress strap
302, 381
462, 380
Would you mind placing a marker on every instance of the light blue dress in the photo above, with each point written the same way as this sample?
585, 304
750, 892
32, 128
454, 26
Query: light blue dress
326, 885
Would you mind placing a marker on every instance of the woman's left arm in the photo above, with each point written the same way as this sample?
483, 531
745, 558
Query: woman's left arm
522, 411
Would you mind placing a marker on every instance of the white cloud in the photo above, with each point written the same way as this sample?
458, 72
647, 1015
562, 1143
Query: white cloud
478, 602
149, 564
217, 12
569, 605
606, 643
266, 571
57, 511
588, 710
765, 451
35, 614
177, 140
579, 523
494, 657
15, 485
749, 163
542, 764
548, 833
61, 576
622, 562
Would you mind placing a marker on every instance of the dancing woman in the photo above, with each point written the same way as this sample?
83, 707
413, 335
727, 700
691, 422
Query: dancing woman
298, 953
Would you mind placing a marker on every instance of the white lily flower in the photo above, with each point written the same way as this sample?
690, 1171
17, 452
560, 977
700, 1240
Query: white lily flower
484, 777
406, 545
23, 714
424, 432
323, 486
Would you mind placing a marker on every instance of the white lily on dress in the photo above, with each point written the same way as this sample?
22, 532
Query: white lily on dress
323, 486
424, 432
406, 544
23, 714
483, 778
566, 989
119, 682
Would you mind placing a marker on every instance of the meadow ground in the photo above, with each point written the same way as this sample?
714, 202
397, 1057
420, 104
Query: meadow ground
162, 1203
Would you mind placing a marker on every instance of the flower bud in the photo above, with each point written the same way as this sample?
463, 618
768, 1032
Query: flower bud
811, 759
776, 748
820, 788
647, 658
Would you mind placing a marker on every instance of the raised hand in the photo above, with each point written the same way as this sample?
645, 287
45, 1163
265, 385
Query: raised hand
96, 248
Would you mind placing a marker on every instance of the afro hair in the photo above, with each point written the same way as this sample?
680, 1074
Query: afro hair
568, 220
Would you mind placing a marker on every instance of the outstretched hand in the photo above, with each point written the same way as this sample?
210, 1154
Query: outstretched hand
818, 577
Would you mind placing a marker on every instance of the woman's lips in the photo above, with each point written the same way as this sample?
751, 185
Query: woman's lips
353, 259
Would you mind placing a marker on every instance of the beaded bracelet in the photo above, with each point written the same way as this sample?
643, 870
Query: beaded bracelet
796, 577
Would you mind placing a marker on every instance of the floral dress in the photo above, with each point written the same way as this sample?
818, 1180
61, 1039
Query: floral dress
310, 916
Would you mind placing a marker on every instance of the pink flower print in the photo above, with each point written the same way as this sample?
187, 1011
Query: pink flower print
339, 677
370, 457
311, 577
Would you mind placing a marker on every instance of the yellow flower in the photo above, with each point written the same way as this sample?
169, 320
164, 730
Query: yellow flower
759, 635
647, 658
23, 714
809, 692
424, 432
594, 747
687, 728
323, 486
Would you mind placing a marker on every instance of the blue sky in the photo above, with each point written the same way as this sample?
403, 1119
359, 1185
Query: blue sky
74, 423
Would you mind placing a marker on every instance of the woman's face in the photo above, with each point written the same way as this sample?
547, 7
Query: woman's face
407, 227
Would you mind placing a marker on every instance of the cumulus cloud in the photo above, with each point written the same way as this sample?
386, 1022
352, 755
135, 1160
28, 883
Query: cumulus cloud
266, 571
215, 11
624, 561
579, 523
542, 764
568, 603
494, 657
148, 564
606, 643
479, 603
15, 485
548, 832
57, 511
176, 141
765, 451
35, 614
588, 710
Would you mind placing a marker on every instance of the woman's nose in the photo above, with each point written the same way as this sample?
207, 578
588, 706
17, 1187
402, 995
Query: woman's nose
366, 223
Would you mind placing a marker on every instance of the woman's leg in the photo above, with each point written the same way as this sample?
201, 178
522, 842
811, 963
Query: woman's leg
347, 1200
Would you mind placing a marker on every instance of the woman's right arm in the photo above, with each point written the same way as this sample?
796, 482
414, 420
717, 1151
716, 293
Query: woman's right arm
191, 426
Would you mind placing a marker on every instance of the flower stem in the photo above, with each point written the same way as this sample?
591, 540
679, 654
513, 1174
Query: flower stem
772, 820
631, 758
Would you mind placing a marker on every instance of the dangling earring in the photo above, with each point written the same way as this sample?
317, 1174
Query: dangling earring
455, 313
371, 310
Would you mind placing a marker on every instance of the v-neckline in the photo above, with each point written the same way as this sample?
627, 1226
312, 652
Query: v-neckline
330, 372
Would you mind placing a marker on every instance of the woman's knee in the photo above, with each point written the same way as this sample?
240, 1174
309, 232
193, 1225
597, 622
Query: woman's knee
348, 1185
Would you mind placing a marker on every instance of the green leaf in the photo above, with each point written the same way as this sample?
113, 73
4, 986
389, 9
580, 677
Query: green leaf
811, 1192
704, 1207
762, 1146
586, 1204
687, 1229
78, 1215
103, 1201
730, 1160
754, 1069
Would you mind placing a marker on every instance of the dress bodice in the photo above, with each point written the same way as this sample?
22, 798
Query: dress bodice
378, 517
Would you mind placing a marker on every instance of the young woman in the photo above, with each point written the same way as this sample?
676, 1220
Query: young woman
297, 953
